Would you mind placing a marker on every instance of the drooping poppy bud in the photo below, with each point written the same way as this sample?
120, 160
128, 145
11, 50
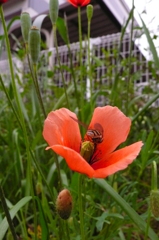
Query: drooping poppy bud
54, 9
64, 204
34, 44
25, 25
89, 12
154, 202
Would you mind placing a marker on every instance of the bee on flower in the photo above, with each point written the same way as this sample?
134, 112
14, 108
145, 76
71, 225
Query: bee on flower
96, 156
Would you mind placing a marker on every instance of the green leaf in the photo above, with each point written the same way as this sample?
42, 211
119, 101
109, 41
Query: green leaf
4, 224
151, 45
45, 233
147, 150
148, 104
126, 207
61, 27
60, 101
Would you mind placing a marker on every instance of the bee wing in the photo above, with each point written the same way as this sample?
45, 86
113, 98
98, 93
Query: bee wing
98, 126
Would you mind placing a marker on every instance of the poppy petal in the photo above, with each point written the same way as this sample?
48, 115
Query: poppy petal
79, 3
61, 129
85, 2
117, 161
116, 127
74, 160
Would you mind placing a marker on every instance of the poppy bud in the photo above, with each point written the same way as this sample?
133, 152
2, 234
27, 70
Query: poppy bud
89, 12
154, 202
54, 9
64, 204
25, 25
34, 44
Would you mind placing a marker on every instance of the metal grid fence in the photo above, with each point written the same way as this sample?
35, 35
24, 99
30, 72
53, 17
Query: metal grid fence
109, 57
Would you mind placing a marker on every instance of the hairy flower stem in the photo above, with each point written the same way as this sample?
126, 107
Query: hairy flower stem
154, 176
80, 183
33, 72
73, 74
148, 224
89, 64
58, 171
80, 59
59, 63
35, 79
4, 205
129, 78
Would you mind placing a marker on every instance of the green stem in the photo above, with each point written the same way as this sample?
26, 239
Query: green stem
33, 71
41, 174
10, 102
154, 176
38, 90
145, 107
58, 171
59, 62
67, 231
72, 70
89, 63
80, 59
80, 183
148, 224
4, 204
129, 62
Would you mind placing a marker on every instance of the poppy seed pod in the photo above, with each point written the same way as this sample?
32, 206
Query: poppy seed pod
54, 9
154, 202
89, 12
34, 44
25, 25
64, 204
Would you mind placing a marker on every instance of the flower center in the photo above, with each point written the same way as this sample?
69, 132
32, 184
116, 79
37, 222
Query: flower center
87, 150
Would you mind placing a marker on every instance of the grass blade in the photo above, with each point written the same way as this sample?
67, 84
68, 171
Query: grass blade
126, 207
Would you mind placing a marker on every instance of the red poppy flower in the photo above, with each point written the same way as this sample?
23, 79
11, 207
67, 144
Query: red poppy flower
3, 1
61, 131
79, 3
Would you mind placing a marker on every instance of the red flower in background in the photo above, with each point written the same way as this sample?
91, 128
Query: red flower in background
79, 3
108, 128
3, 1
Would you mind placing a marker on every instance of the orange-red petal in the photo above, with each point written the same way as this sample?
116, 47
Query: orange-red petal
116, 127
74, 160
117, 160
61, 129
79, 3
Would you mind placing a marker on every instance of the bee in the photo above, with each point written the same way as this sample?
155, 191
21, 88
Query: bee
92, 138
94, 135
